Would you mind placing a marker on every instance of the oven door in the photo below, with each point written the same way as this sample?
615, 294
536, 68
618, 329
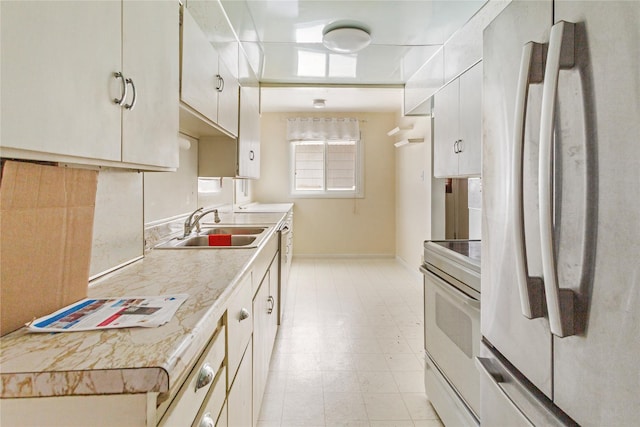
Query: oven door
452, 336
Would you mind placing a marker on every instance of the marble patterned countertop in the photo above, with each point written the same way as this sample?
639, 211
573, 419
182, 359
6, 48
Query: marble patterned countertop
135, 360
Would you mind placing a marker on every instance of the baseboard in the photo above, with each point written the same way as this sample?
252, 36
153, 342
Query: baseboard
412, 269
349, 256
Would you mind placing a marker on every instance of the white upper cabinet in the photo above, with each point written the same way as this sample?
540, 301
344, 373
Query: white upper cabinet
151, 55
445, 130
470, 150
249, 137
58, 85
199, 84
229, 99
59, 82
207, 86
249, 133
458, 127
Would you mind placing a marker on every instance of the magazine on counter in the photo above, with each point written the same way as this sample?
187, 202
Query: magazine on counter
108, 313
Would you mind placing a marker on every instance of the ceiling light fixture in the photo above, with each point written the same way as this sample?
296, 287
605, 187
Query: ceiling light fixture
318, 103
345, 39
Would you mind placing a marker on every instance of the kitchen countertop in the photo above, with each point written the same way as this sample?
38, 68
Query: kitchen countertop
134, 360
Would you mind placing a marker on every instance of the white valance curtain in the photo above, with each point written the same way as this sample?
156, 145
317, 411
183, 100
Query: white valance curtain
322, 128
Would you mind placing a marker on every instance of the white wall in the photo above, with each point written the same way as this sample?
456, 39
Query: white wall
413, 190
335, 226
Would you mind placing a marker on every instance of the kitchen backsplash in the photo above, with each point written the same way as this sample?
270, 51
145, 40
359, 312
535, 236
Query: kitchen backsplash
475, 207
117, 225
135, 210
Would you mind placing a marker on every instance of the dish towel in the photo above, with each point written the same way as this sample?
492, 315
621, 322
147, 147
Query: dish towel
219, 239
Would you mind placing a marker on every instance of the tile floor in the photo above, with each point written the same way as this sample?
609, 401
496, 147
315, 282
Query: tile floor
349, 350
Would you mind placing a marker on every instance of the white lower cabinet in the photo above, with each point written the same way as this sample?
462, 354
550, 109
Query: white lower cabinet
224, 387
211, 411
265, 327
239, 324
206, 375
240, 398
223, 420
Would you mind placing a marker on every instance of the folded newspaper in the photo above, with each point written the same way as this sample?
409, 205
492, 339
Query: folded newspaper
108, 313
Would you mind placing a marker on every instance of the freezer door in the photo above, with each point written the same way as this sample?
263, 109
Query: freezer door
509, 400
525, 342
597, 373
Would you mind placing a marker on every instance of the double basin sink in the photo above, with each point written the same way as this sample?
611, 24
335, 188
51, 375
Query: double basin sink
241, 237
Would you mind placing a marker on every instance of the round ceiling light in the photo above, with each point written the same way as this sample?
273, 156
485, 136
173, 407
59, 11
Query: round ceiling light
346, 39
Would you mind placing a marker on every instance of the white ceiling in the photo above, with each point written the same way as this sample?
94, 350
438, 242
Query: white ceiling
279, 34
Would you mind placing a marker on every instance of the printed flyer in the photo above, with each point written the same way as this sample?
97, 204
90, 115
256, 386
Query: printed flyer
108, 313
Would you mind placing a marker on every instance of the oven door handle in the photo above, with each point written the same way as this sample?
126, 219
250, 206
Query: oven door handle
452, 291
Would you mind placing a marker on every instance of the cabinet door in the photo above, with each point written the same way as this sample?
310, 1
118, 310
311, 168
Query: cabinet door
274, 271
150, 59
228, 100
239, 401
249, 133
261, 332
239, 324
58, 85
198, 70
445, 159
469, 159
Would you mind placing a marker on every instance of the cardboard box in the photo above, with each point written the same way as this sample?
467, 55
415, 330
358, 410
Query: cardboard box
46, 225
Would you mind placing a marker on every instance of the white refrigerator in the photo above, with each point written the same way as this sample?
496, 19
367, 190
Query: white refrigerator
560, 316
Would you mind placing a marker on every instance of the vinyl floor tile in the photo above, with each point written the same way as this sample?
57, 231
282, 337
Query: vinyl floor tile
349, 349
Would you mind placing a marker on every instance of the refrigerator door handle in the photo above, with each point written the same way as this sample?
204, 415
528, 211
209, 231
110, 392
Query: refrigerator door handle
531, 72
560, 302
514, 402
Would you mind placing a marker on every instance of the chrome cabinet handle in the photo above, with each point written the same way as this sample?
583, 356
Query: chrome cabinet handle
207, 421
457, 146
460, 146
251, 155
559, 301
123, 95
205, 376
133, 100
273, 304
244, 314
220, 86
530, 288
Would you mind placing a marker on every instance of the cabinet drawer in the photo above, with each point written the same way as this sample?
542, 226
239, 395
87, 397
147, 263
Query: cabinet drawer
239, 324
222, 419
187, 402
214, 402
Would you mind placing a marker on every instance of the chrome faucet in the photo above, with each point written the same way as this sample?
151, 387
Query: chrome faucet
194, 220
188, 226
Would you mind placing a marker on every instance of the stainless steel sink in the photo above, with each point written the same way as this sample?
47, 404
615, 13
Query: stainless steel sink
233, 230
203, 241
242, 237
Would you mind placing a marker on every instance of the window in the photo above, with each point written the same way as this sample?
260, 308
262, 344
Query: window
326, 168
